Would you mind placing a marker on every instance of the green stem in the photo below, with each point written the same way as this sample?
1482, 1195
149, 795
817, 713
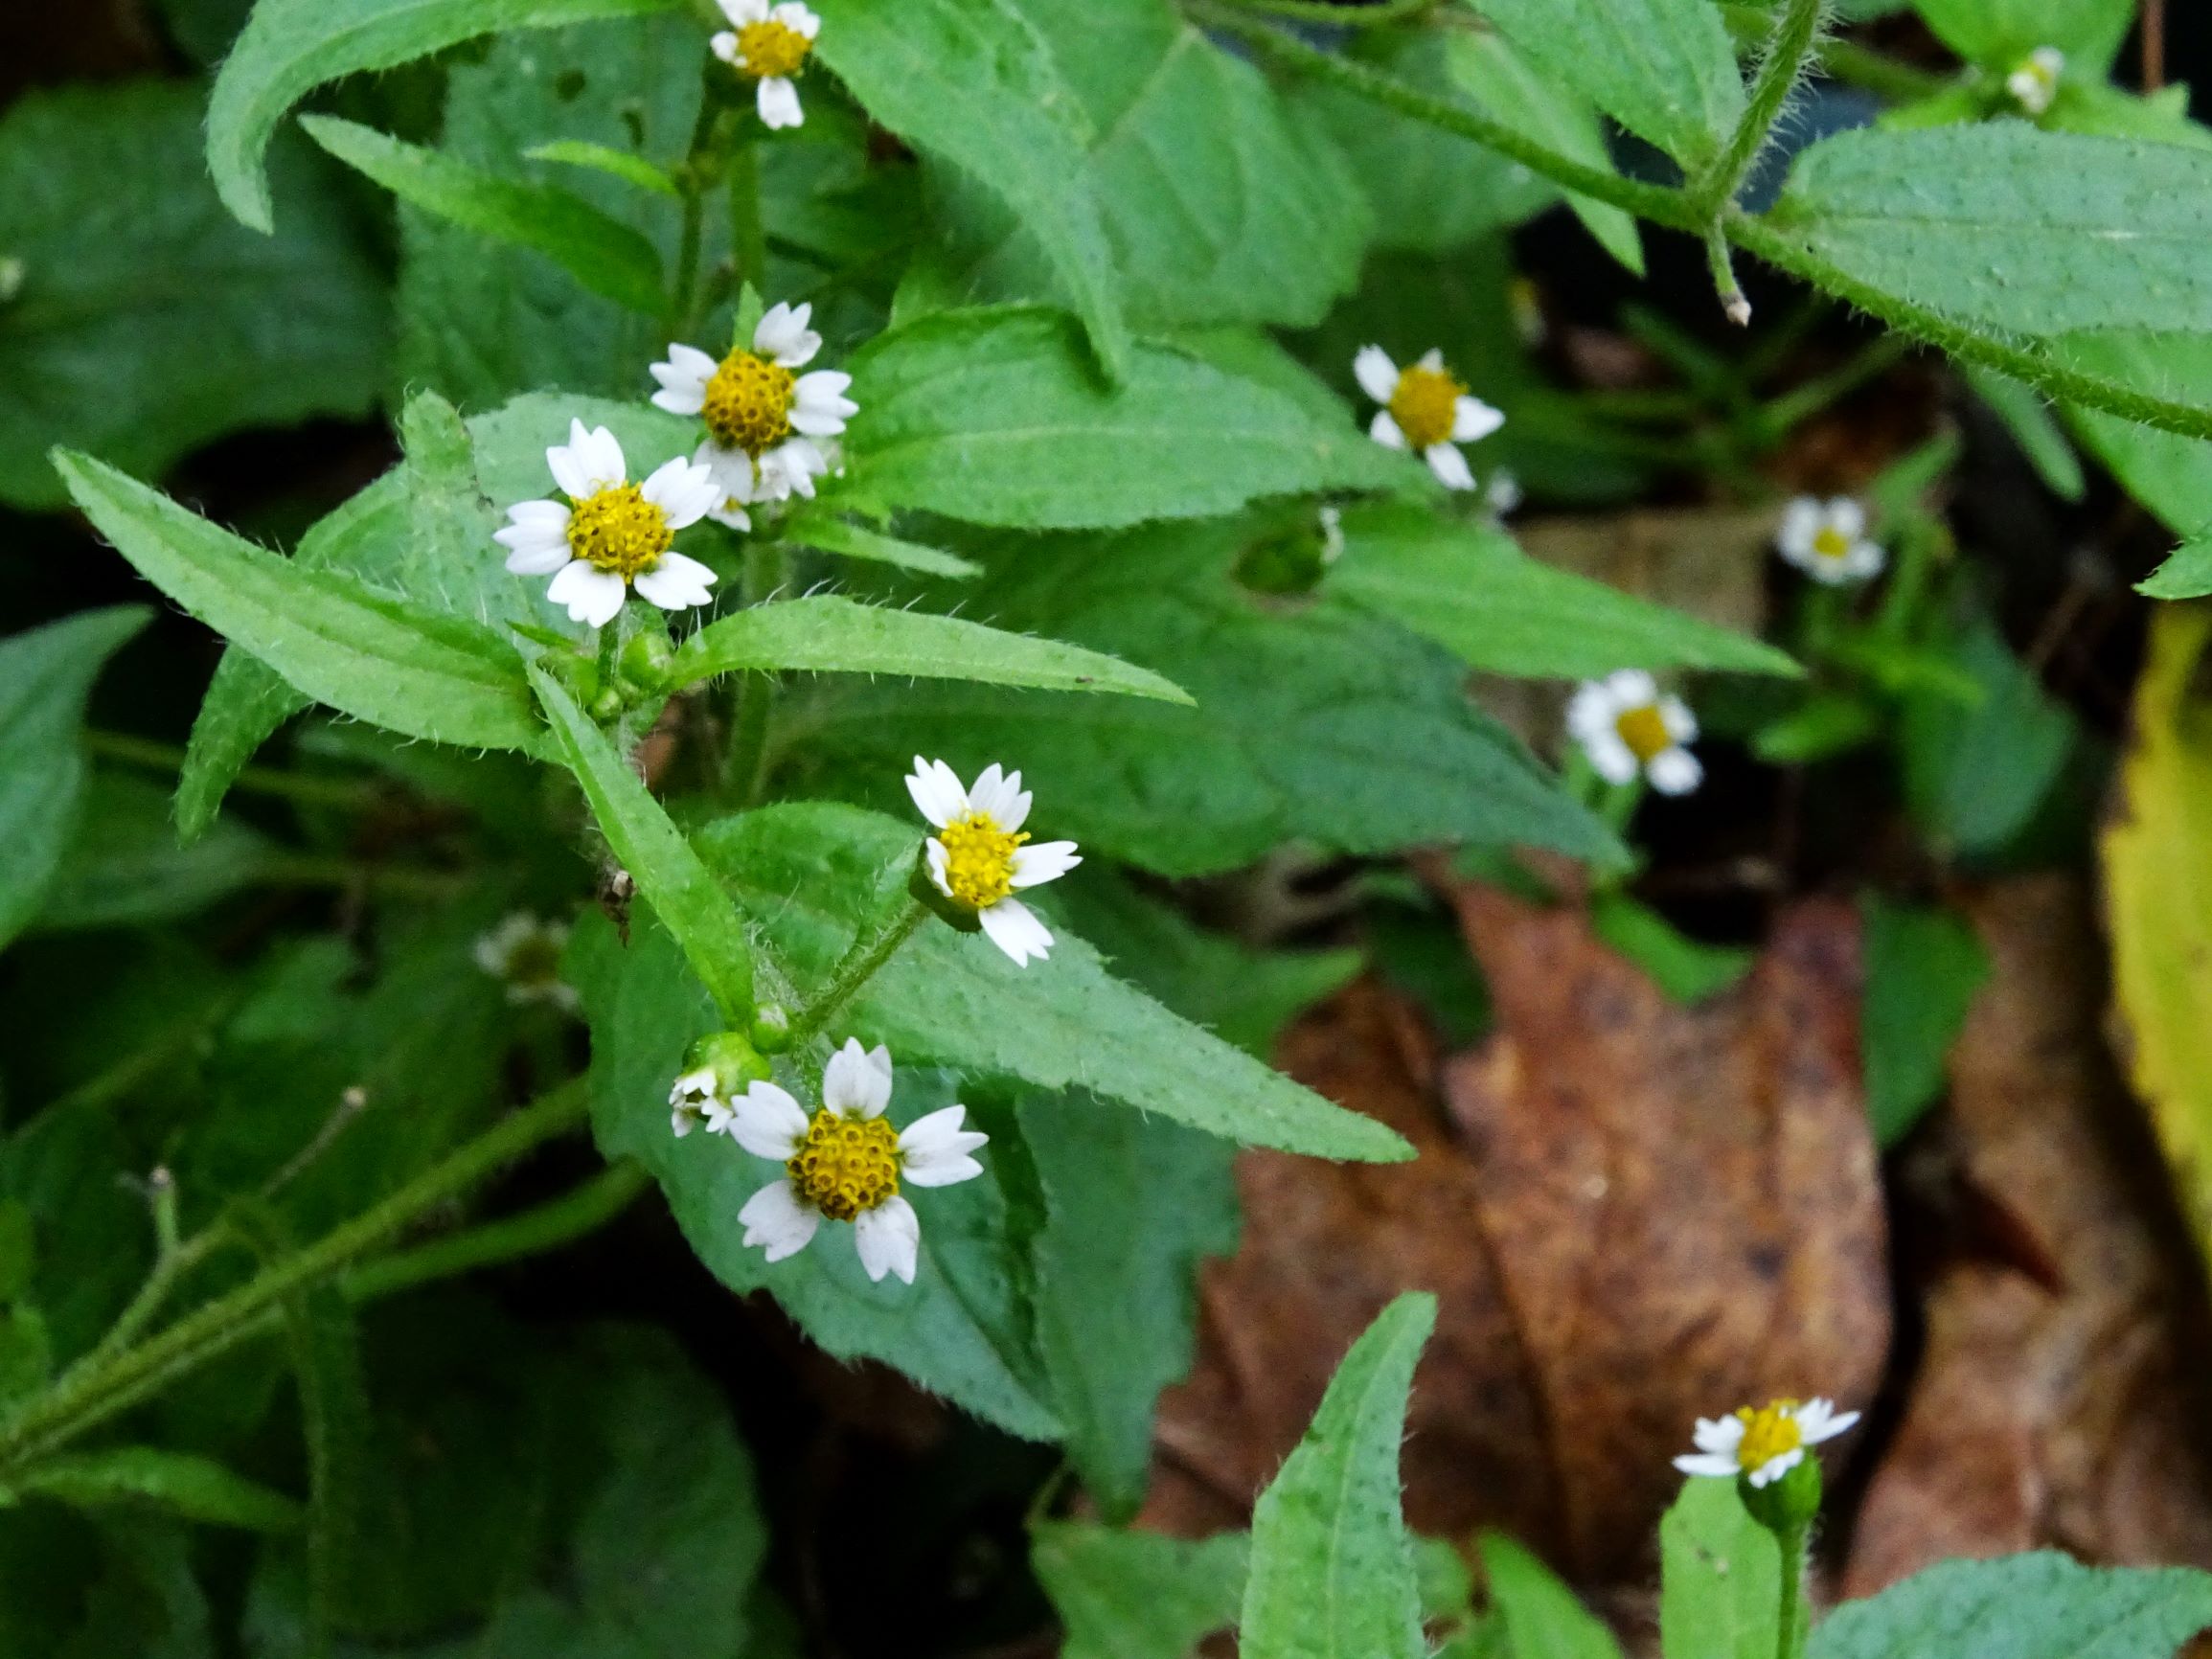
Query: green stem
90, 1394
130, 750
1778, 415
748, 242
1793, 1620
583, 1210
1730, 293
1373, 16
862, 964
1784, 61
755, 693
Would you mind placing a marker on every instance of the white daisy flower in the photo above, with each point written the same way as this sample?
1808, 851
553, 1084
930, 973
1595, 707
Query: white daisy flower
614, 535
977, 857
1827, 540
524, 951
1765, 1443
846, 1162
1624, 725
1425, 409
693, 1102
2035, 82
768, 44
765, 425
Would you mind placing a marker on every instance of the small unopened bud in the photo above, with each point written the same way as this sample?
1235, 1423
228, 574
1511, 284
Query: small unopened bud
1737, 309
731, 1059
1785, 1506
771, 1027
644, 663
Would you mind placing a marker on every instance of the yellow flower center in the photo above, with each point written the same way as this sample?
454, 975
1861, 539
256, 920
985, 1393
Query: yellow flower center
978, 859
771, 49
619, 530
749, 401
1645, 732
845, 1165
1769, 1432
1829, 542
1424, 405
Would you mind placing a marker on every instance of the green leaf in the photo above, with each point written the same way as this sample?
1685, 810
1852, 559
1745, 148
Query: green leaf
45, 677
1332, 1574
1719, 1577
812, 875
1132, 1206
2033, 428
1975, 773
655, 853
1542, 1618
124, 867
991, 417
2038, 1606
2186, 574
601, 252
973, 81
1321, 723
147, 321
1998, 34
1664, 69
339, 641
2006, 226
195, 1488
614, 163
825, 634
958, 1329
1923, 971
2169, 474
827, 532
1138, 1594
290, 47
1687, 970
1469, 588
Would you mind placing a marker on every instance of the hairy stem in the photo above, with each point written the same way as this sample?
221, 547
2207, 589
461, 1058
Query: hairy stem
860, 964
1793, 1623
131, 750
558, 1221
1788, 49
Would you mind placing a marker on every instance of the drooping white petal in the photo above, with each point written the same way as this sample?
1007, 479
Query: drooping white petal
775, 1220
779, 104
889, 1239
684, 491
1376, 373
933, 850
768, 1121
1473, 420
791, 468
591, 595
1775, 1467
857, 1083
1011, 927
1675, 771
720, 1118
693, 1087
783, 334
677, 582
933, 1151
1450, 465
1043, 861
1384, 430
936, 791
798, 19
819, 406
1706, 1464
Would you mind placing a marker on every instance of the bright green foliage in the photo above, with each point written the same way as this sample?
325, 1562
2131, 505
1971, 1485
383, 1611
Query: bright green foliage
976, 83
1998, 34
832, 534
2186, 575
1138, 1594
1687, 970
2042, 1605
1331, 1573
45, 677
290, 47
825, 634
1664, 69
147, 322
812, 875
126, 867
1478, 595
2169, 474
1541, 1617
615, 163
1923, 971
993, 416
601, 253
1719, 1577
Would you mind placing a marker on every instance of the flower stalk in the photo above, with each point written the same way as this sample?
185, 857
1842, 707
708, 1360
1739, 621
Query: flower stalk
860, 964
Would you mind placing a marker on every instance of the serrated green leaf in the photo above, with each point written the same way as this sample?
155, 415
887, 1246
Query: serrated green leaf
826, 634
1975, 772
1541, 1616
195, 1488
2038, 1606
1924, 969
1138, 1594
1998, 34
827, 532
1719, 1577
1472, 590
601, 252
812, 875
2006, 226
993, 416
614, 163
1132, 1206
290, 47
2186, 574
1331, 1573
667, 871
146, 321
973, 81
46, 674
339, 641
1664, 69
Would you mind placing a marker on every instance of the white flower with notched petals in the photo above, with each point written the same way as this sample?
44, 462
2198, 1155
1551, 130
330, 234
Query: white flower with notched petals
979, 858
766, 425
2035, 82
768, 44
1828, 541
847, 1162
1765, 1443
693, 1102
1624, 726
613, 535
524, 952
1425, 409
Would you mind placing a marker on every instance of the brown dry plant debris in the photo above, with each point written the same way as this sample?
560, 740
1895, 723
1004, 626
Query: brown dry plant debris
2064, 1412
1633, 1213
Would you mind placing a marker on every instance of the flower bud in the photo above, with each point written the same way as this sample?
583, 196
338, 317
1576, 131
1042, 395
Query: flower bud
730, 1057
1785, 1506
771, 1032
645, 662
